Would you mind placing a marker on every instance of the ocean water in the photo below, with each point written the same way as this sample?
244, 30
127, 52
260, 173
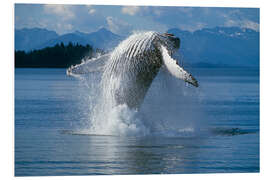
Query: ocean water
179, 129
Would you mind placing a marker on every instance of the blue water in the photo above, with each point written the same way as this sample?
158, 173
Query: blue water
49, 106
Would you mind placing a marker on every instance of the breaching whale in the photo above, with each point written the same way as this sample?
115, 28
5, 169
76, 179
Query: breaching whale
128, 71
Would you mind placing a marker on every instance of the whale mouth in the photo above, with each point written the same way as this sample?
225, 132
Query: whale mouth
175, 40
169, 34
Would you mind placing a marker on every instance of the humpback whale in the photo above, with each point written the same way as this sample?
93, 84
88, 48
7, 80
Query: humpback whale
128, 71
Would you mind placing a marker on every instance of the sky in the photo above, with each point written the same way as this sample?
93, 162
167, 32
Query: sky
123, 20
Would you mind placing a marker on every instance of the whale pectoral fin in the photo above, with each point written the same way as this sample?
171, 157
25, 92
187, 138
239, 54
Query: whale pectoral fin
91, 65
174, 69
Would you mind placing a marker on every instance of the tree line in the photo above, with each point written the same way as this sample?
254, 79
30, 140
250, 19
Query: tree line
58, 56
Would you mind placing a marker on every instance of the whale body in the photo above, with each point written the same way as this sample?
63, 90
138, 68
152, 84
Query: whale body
130, 68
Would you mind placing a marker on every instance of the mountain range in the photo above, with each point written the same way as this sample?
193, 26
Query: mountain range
36, 38
217, 46
220, 46
28, 39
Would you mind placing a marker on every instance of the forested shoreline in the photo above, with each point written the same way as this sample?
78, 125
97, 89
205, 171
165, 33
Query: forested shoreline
58, 56
63, 56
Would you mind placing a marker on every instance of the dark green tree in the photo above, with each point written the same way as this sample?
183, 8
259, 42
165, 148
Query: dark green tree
58, 56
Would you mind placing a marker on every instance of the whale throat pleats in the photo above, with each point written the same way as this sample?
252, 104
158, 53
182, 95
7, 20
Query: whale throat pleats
128, 71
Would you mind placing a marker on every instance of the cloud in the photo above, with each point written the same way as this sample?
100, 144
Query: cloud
65, 27
118, 26
90, 9
251, 25
185, 9
130, 10
63, 11
192, 27
243, 24
29, 22
124, 19
243, 18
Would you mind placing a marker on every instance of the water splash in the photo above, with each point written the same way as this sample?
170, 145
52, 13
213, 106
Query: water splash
167, 108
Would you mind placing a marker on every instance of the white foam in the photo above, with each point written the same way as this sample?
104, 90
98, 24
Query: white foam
120, 121
106, 117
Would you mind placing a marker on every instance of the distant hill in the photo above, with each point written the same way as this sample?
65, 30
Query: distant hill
221, 45
29, 39
66, 38
103, 38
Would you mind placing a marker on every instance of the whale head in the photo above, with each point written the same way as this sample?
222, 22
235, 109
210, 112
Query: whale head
174, 41
171, 42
